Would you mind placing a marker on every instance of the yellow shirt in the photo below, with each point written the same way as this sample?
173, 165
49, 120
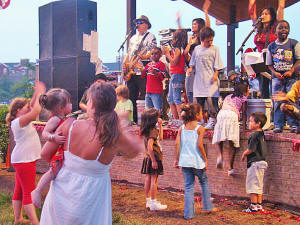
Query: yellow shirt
294, 93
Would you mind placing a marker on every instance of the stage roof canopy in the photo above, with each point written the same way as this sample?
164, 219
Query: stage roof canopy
220, 9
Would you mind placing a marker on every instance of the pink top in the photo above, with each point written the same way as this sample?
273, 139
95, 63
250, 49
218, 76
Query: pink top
234, 104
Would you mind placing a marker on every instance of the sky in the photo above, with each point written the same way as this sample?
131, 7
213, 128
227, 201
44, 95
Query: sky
20, 32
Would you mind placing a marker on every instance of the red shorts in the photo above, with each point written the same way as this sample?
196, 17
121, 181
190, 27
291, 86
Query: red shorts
25, 181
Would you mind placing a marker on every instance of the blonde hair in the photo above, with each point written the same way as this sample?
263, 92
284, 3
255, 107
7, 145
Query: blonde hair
122, 91
14, 107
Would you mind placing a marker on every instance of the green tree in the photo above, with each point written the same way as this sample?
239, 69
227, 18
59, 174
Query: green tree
24, 88
4, 132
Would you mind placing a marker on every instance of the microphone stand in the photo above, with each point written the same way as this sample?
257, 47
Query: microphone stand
245, 40
241, 49
127, 36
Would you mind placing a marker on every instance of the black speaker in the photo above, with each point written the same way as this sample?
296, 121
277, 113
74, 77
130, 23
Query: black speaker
62, 61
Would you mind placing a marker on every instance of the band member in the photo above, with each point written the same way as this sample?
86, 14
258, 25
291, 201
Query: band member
140, 46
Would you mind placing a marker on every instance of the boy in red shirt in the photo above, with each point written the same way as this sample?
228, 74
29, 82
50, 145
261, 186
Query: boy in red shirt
155, 72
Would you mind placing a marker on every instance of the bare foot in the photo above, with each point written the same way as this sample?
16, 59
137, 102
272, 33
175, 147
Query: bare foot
22, 221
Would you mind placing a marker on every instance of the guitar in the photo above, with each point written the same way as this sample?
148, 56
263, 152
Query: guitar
129, 70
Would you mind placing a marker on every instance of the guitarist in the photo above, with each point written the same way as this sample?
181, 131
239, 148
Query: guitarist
138, 43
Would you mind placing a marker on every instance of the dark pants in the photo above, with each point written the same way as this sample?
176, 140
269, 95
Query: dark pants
264, 86
137, 90
212, 103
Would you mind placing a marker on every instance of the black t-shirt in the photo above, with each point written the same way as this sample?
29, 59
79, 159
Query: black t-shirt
258, 146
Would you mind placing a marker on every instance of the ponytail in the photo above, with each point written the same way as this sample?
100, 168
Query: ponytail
104, 99
14, 107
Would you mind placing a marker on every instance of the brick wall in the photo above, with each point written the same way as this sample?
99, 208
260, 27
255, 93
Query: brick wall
282, 179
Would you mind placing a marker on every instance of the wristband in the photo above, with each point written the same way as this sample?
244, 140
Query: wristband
51, 137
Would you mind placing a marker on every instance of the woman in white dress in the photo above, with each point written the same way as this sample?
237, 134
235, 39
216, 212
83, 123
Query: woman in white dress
81, 192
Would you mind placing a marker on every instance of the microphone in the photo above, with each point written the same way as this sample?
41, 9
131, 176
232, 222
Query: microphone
259, 19
134, 27
187, 29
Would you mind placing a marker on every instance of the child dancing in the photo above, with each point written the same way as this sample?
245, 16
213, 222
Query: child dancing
191, 156
152, 163
26, 151
58, 102
177, 71
227, 126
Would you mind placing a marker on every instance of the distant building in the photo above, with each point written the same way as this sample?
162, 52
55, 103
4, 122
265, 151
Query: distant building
18, 70
111, 67
4, 69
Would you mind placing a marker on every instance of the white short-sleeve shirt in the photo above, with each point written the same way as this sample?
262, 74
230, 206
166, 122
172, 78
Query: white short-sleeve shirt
28, 146
206, 62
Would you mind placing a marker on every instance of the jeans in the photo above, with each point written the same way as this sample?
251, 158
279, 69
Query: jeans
213, 106
189, 180
284, 85
189, 96
154, 100
175, 88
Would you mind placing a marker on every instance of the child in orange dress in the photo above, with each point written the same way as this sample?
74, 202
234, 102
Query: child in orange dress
58, 102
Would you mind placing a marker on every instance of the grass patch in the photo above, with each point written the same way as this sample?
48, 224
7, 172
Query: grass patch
7, 213
119, 219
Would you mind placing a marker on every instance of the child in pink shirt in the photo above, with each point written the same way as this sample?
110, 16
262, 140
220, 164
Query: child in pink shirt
227, 127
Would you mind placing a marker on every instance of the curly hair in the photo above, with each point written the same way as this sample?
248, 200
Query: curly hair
189, 112
14, 107
179, 39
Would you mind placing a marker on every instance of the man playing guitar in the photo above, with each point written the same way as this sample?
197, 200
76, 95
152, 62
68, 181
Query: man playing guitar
138, 43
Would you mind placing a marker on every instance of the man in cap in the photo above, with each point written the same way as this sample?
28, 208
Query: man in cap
143, 41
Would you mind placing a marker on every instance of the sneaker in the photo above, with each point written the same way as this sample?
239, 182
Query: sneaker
277, 130
259, 208
294, 129
211, 123
230, 172
219, 163
155, 206
148, 204
251, 209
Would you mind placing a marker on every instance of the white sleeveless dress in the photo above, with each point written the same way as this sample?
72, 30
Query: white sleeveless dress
80, 194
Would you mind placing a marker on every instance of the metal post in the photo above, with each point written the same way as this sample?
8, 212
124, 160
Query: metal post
231, 39
131, 15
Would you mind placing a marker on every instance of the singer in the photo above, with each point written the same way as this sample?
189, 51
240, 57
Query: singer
143, 41
265, 34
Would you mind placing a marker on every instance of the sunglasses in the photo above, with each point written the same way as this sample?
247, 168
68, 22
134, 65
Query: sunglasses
140, 22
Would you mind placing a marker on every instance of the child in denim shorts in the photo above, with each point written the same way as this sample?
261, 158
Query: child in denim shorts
256, 161
177, 71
